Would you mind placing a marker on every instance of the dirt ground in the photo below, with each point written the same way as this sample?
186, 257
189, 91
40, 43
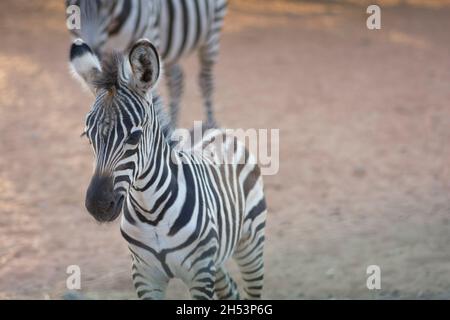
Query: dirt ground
364, 119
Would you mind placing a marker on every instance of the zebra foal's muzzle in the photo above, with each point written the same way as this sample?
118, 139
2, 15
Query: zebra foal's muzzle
101, 201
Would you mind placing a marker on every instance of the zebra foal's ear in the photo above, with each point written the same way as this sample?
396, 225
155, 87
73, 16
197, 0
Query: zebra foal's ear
145, 65
84, 63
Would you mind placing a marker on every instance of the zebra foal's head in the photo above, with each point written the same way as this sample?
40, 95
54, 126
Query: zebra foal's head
120, 117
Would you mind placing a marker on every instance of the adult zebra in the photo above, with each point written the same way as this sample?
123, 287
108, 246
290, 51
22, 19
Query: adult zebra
176, 27
184, 214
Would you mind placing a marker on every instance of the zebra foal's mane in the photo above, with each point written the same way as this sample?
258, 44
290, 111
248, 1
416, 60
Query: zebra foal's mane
109, 77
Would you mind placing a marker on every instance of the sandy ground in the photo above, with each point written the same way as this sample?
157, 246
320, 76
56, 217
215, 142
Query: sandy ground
364, 177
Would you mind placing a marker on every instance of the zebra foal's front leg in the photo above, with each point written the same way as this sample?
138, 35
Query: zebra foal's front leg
149, 282
202, 279
225, 287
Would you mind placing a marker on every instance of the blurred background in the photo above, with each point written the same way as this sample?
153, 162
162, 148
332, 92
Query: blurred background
364, 119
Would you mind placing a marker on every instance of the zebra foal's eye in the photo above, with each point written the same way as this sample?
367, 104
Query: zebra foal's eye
134, 137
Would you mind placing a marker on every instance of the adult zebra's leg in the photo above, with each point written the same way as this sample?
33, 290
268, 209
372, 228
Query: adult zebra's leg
206, 81
225, 287
208, 54
175, 85
149, 282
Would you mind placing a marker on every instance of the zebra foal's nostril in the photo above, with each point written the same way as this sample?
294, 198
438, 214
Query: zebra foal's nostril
100, 195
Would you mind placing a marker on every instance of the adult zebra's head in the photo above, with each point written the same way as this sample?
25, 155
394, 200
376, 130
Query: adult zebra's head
121, 116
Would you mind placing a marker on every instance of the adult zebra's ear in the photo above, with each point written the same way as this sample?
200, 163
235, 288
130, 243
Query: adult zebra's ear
145, 65
84, 63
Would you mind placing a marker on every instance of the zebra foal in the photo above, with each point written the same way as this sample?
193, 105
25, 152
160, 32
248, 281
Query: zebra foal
184, 214
175, 27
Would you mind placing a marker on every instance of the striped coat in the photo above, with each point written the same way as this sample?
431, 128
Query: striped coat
185, 211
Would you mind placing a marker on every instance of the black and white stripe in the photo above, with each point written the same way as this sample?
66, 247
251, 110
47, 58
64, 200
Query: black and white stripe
184, 214
176, 27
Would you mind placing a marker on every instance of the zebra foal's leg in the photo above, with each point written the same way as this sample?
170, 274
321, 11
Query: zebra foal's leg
201, 282
225, 287
249, 254
175, 84
149, 282
249, 258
